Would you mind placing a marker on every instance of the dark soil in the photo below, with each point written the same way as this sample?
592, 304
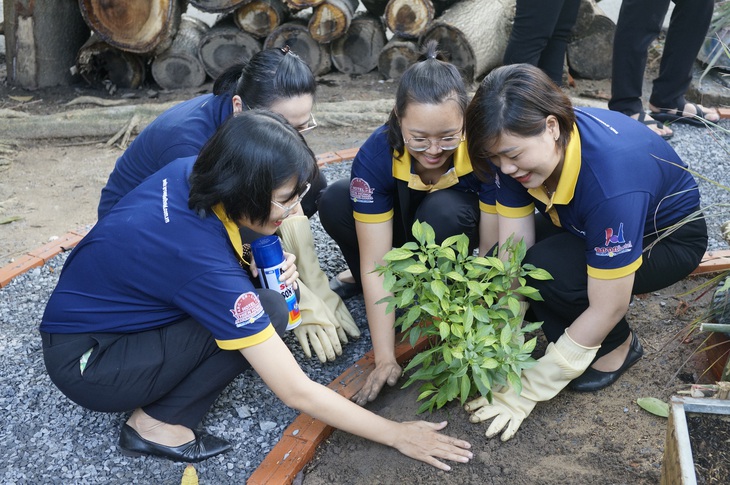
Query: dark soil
576, 438
709, 435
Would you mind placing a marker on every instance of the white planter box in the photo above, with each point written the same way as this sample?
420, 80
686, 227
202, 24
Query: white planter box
678, 465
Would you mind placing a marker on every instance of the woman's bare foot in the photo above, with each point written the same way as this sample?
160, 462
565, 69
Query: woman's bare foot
690, 111
346, 277
657, 127
159, 432
613, 360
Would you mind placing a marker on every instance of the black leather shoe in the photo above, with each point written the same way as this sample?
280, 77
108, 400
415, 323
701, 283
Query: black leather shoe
593, 380
344, 290
202, 447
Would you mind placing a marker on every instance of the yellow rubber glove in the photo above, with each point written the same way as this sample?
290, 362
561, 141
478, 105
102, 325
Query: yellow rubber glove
317, 328
563, 361
297, 238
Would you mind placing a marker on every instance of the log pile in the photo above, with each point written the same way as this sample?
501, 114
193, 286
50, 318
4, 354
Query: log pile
134, 40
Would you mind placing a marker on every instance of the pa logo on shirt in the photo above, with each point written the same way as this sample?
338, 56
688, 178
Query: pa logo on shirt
247, 309
615, 243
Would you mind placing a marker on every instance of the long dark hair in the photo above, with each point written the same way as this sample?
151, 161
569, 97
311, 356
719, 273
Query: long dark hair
270, 75
431, 80
249, 156
515, 99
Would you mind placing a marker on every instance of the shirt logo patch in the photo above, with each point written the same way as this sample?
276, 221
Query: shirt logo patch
360, 191
247, 309
615, 243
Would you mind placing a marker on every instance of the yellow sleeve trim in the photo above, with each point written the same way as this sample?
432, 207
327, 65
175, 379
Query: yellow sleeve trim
242, 343
515, 212
614, 274
488, 208
373, 218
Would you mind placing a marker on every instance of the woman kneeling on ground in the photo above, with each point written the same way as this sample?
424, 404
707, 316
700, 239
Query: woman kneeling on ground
626, 215
155, 310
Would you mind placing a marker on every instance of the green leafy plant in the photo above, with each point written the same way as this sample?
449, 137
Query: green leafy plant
468, 307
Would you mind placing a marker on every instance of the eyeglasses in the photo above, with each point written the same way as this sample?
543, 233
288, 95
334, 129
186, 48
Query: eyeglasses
418, 144
288, 208
311, 124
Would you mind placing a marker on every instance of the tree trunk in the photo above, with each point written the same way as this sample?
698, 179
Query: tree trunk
409, 18
474, 34
218, 5
139, 26
296, 35
397, 56
179, 66
302, 4
590, 54
99, 63
260, 17
225, 44
358, 50
41, 41
331, 19
375, 7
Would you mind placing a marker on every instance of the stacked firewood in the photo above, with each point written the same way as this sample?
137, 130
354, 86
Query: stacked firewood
133, 39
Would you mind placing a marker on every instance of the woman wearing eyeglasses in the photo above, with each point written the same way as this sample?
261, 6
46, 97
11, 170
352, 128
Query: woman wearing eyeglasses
415, 167
277, 80
155, 313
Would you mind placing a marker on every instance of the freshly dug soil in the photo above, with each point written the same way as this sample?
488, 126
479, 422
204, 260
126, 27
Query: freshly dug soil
709, 435
576, 438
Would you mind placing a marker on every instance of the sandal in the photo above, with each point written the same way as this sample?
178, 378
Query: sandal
650, 123
671, 115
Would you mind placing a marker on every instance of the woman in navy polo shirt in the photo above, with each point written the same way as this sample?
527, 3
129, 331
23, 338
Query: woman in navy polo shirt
627, 220
415, 167
277, 80
155, 311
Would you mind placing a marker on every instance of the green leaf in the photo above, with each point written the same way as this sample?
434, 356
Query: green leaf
451, 240
397, 254
539, 274
506, 336
496, 263
655, 406
489, 364
439, 289
529, 292
514, 305
416, 268
465, 388
444, 330
515, 382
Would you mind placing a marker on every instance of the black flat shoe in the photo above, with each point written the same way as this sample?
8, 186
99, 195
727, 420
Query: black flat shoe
202, 447
593, 380
344, 290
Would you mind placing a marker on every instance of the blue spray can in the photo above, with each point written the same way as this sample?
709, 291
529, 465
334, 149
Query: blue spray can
269, 257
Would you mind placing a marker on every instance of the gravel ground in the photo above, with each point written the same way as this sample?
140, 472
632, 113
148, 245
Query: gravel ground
45, 438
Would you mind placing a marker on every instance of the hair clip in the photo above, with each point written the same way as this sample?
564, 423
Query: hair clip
285, 49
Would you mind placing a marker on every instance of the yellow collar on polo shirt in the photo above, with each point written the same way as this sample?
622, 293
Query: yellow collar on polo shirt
234, 233
568, 178
462, 166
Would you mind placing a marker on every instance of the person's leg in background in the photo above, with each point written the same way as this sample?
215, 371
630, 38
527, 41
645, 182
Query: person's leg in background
335, 215
540, 33
639, 23
687, 31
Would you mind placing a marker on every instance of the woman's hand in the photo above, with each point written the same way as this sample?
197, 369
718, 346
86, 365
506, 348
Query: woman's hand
388, 372
289, 272
421, 441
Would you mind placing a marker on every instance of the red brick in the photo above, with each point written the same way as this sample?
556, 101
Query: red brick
18, 267
63, 243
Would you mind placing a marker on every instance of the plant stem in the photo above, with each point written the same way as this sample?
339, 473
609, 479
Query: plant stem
715, 327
